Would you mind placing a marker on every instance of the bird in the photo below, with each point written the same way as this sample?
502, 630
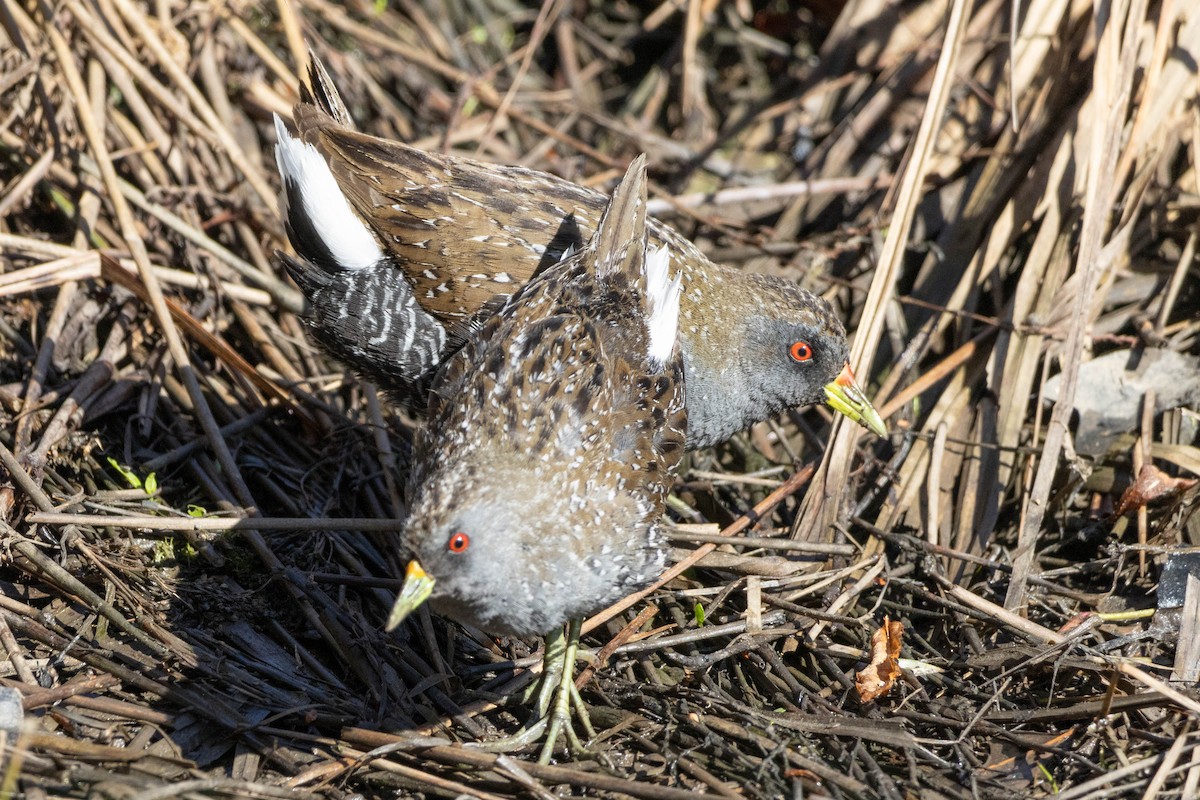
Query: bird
540, 476
403, 254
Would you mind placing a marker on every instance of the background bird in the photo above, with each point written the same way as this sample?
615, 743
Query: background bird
404, 254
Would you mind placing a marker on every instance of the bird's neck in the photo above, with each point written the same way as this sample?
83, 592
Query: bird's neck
715, 402
723, 391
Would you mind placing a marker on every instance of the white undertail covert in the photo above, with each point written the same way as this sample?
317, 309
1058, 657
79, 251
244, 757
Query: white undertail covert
342, 232
663, 321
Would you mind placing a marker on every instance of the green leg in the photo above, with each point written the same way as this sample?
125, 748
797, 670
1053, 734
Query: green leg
553, 700
560, 721
559, 652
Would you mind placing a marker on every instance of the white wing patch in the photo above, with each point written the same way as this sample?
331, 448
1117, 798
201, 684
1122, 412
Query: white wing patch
663, 322
342, 232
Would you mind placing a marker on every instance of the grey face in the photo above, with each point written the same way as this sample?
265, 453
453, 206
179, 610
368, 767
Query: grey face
794, 360
774, 365
481, 565
509, 564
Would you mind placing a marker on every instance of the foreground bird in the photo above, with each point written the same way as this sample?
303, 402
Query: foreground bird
403, 254
552, 438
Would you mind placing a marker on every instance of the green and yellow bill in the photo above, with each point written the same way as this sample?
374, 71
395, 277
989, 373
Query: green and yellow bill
418, 585
845, 397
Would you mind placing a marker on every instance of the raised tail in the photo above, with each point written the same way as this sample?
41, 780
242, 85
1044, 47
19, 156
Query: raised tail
620, 247
619, 244
321, 92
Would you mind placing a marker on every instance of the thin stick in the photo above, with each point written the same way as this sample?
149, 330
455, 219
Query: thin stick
149, 523
821, 506
1110, 95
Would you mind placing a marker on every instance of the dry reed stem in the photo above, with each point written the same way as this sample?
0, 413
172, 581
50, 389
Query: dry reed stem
141, 132
822, 506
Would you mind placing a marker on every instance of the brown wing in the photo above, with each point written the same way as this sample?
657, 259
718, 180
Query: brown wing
548, 386
462, 231
567, 357
651, 428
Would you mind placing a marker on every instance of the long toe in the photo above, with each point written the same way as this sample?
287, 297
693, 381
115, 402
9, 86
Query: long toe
566, 697
555, 702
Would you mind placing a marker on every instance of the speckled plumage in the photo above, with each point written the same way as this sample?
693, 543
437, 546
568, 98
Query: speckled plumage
460, 236
551, 441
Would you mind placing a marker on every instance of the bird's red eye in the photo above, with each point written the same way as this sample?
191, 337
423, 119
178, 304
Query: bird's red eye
458, 543
800, 351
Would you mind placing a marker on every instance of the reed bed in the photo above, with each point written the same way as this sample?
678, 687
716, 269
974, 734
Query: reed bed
199, 517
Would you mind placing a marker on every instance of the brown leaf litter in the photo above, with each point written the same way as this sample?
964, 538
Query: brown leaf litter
198, 521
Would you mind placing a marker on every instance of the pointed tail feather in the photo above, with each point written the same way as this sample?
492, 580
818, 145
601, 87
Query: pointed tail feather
321, 93
620, 239
620, 246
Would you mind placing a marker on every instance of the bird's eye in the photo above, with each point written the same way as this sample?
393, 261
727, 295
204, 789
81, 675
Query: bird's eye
459, 542
800, 351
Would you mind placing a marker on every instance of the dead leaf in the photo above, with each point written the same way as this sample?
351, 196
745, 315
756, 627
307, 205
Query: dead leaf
1151, 484
877, 678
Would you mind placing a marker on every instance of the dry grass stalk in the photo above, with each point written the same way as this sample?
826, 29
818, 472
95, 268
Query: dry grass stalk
871, 154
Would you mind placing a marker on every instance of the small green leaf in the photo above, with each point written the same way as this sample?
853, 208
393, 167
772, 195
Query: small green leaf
129, 475
698, 613
151, 483
194, 510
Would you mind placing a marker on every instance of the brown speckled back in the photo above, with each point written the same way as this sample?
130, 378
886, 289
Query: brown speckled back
551, 443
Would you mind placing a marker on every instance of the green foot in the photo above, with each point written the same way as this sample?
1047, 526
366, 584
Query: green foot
555, 696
